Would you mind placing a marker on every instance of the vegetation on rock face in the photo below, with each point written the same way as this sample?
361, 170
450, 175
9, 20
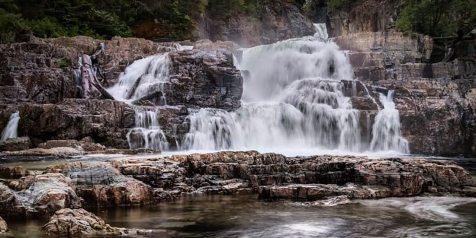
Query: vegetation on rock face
437, 17
103, 19
177, 19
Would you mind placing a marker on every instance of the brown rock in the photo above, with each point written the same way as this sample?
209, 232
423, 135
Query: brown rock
49, 193
15, 144
3, 226
69, 222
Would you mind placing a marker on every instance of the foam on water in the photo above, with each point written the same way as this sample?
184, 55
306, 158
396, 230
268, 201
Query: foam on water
10, 131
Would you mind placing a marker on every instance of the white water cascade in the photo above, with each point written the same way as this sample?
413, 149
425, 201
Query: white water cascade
292, 99
142, 78
386, 133
321, 31
147, 133
10, 130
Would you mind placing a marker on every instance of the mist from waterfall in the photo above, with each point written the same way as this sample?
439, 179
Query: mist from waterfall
10, 131
386, 132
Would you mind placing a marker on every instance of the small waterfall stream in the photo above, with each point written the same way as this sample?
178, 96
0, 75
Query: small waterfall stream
143, 78
10, 130
147, 133
386, 131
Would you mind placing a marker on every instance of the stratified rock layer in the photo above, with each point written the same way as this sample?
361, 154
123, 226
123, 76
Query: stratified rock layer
272, 176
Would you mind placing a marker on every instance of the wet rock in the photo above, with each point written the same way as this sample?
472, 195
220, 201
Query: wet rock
13, 172
106, 121
15, 144
79, 145
434, 99
78, 222
60, 152
3, 226
49, 193
69, 222
8, 201
102, 184
272, 176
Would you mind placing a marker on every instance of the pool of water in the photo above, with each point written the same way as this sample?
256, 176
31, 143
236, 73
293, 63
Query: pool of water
246, 216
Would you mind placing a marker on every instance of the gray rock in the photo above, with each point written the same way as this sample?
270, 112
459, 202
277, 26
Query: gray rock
15, 144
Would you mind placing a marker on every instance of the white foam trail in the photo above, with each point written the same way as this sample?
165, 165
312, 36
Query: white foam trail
321, 31
147, 134
386, 131
10, 130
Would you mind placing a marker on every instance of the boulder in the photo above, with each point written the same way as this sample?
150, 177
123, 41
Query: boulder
3, 226
49, 193
8, 201
15, 144
101, 184
77, 222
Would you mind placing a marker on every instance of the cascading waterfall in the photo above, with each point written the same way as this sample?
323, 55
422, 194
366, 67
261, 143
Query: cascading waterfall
10, 130
386, 131
321, 31
147, 133
292, 99
142, 78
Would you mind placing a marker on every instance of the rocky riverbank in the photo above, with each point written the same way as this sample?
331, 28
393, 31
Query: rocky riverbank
269, 176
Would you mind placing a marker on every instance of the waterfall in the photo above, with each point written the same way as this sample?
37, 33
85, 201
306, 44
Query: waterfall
10, 130
321, 31
386, 131
142, 78
147, 133
292, 99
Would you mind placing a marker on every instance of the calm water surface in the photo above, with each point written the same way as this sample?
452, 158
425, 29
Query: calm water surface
246, 216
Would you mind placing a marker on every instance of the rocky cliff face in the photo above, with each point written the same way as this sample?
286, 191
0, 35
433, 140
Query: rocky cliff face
435, 100
365, 16
278, 20
39, 79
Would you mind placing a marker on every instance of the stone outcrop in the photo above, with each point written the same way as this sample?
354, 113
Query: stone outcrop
106, 121
434, 99
79, 222
48, 193
278, 20
272, 176
15, 144
8, 201
204, 78
3, 226
69, 222
102, 184
365, 16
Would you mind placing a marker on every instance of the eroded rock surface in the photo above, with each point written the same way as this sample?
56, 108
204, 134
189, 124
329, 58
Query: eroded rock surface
76, 222
49, 193
435, 100
272, 176
3, 226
